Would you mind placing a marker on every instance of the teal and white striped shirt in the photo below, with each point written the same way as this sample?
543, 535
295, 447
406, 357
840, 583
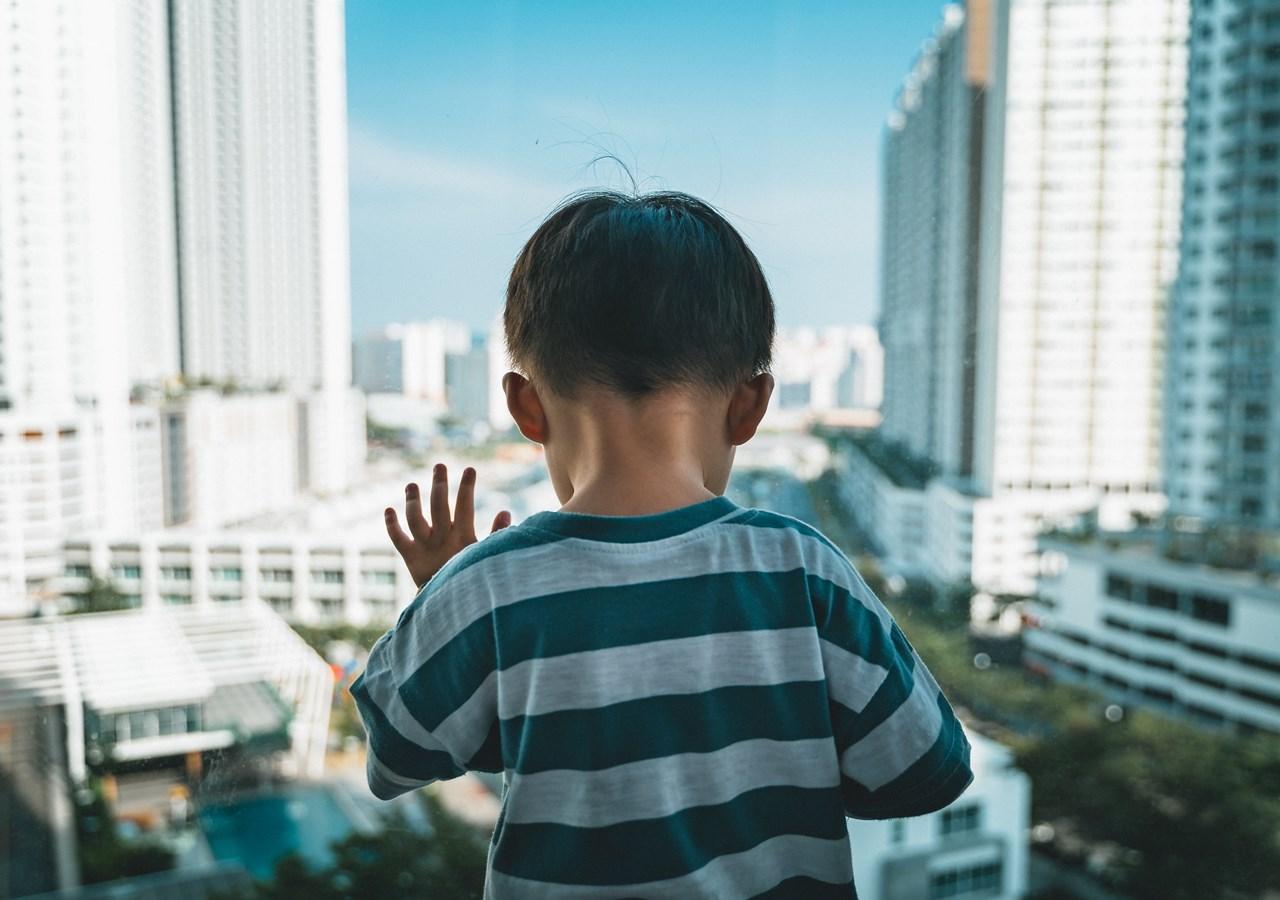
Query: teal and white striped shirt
685, 704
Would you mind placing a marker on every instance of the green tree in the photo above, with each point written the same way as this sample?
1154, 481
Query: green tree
104, 854
100, 596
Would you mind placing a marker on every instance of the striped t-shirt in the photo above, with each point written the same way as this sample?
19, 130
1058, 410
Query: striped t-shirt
685, 704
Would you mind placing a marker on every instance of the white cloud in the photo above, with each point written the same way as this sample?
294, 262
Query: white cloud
377, 161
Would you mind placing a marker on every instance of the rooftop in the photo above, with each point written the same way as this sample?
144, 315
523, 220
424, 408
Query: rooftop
147, 659
897, 463
1229, 552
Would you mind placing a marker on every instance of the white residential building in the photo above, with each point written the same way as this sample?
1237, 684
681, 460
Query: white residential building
1078, 244
87, 285
1031, 222
976, 847
260, 130
229, 457
1152, 619
821, 369
320, 559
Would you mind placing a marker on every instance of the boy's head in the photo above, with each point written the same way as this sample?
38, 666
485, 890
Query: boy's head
635, 294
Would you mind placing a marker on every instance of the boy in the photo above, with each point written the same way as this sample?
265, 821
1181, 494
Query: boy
686, 697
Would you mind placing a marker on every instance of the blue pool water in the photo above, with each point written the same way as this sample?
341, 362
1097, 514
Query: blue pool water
257, 831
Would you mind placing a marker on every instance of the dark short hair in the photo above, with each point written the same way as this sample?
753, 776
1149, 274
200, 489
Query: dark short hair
637, 293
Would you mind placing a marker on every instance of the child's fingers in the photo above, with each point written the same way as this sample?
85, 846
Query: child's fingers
464, 511
501, 521
418, 526
401, 541
439, 500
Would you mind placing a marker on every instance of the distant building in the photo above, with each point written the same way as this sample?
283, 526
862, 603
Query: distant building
467, 383
410, 358
163, 691
499, 365
229, 457
54, 480
1184, 622
260, 138
377, 362
822, 369
1222, 403
311, 577
87, 281
321, 560
1185, 617
976, 847
1030, 236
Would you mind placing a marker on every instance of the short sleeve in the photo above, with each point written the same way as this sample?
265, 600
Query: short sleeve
902, 750
427, 695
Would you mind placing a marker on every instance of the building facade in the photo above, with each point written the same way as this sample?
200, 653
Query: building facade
1222, 436
311, 577
1031, 217
229, 457
1153, 622
929, 226
259, 100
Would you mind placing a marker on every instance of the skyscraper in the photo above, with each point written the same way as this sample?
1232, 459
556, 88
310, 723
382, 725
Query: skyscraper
1222, 435
87, 295
932, 173
87, 290
1078, 244
259, 99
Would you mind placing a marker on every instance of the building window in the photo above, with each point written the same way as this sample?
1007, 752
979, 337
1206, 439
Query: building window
1208, 649
1260, 696
1258, 662
1119, 587
277, 575
327, 576
961, 819
1206, 681
967, 881
225, 573
379, 577
77, 570
177, 599
1162, 598
1213, 610
282, 605
897, 832
175, 573
127, 572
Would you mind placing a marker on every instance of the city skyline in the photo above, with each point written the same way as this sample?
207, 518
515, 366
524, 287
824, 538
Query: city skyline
468, 123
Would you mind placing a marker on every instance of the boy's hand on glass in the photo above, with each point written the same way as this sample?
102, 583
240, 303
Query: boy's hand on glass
429, 545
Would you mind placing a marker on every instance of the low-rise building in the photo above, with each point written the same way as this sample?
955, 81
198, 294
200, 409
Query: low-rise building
147, 691
1186, 622
925, 525
976, 847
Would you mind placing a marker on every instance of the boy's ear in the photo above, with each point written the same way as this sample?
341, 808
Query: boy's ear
747, 407
525, 406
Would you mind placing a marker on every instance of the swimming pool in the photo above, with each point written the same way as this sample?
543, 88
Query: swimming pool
257, 831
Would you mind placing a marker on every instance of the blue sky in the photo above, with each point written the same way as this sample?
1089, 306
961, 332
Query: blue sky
469, 121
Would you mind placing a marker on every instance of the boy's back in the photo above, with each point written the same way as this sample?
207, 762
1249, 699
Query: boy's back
686, 704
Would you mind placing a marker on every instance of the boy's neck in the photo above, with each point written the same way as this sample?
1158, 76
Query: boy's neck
621, 458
